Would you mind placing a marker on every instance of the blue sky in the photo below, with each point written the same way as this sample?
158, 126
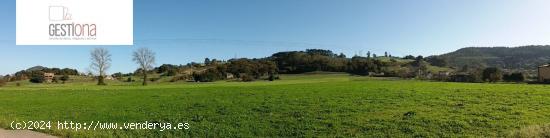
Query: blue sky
181, 31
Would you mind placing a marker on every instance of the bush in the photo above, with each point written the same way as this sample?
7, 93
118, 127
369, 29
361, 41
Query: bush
209, 75
514, 77
171, 72
154, 79
178, 78
202, 77
55, 80
37, 79
273, 77
533, 131
246, 78
492, 74
2, 82
101, 80
64, 78
463, 78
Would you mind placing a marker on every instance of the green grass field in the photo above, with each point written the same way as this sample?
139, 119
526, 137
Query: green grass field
326, 105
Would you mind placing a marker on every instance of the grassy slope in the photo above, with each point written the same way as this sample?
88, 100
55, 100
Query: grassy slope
298, 105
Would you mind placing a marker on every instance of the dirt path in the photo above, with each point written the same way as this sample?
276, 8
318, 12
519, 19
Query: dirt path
23, 134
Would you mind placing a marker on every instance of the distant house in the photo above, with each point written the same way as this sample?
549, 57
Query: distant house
442, 75
109, 77
544, 73
48, 77
229, 76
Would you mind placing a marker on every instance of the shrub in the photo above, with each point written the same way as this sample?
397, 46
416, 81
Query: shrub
247, 78
463, 78
514, 77
55, 80
2, 82
409, 115
171, 72
273, 77
492, 74
101, 80
209, 75
202, 77
178, 78
37, 79
64, 78
154, 79
533, 131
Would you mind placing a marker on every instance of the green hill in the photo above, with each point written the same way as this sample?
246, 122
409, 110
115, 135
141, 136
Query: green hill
514, 58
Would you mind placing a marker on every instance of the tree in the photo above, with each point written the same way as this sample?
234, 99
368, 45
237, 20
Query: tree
342, 55
118, 75
409, 57
145, 58
421, 68
419, 57
129, 79
64, 78
320, 52
464, 68
55, 79
436, 61
368, 54
492, 74
360, 65
67, 71
171, 72
101, 61
37, 79
206, 61
514, 77
165, 68
214, 62
3, 80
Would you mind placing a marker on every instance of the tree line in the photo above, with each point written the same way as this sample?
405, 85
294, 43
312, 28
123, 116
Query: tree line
36, 74
289, 62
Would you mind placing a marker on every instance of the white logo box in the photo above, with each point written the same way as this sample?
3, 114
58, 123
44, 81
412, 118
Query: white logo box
113, 20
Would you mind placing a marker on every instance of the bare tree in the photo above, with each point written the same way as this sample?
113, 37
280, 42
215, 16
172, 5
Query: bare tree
145, 58
101, 61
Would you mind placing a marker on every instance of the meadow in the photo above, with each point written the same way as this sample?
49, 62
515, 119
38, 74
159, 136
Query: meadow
306, 105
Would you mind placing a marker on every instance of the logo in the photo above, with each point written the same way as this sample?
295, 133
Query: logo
74, 22
63, 28
59, 13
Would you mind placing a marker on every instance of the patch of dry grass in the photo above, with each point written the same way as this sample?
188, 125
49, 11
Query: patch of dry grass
534, 131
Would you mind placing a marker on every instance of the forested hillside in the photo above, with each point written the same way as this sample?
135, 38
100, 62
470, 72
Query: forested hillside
515, 58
